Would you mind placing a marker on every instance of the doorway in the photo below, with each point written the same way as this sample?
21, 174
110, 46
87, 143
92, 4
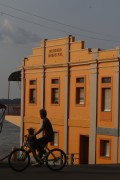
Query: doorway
84, 149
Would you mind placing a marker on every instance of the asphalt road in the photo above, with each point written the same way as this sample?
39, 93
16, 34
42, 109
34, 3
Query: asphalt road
82, 172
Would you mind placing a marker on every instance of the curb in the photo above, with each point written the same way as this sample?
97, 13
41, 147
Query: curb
4, 164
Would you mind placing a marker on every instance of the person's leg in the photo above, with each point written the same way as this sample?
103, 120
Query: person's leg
41, 142
32, 149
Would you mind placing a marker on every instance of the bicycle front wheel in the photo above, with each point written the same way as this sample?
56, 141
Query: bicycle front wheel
56, 159
19, 160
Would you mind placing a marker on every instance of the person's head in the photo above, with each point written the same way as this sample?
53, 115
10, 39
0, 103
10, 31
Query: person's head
31, 131
43, 113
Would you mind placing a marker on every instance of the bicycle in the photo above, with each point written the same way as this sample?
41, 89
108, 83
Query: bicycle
19, 159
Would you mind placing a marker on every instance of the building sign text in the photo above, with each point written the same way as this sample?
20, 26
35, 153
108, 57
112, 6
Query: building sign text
55, 52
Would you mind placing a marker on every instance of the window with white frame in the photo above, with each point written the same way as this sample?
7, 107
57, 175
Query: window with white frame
55, 90
106, 99
80, 90
32, 91
105, 148
80, 95
55, 139
55, 96
106, 94
32, 96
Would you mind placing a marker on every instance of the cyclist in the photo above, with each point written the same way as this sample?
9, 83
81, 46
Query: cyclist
47, 133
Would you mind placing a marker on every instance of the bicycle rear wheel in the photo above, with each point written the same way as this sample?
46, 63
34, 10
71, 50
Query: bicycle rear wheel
56, 159
19, 160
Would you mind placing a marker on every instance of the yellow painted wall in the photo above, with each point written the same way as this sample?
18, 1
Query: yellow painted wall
80, 60
16, 120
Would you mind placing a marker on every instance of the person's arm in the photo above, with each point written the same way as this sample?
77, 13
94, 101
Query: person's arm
40, 130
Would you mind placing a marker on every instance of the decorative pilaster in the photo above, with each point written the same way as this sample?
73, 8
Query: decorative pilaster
42, 77
42, 80
116, 106
93, 107
22, 103
66, 95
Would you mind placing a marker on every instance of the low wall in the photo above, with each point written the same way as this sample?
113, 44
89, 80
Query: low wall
13, 119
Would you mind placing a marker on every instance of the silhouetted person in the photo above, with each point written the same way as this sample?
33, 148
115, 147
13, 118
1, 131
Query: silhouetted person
47, 133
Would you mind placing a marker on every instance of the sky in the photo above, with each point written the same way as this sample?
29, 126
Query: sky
24, 23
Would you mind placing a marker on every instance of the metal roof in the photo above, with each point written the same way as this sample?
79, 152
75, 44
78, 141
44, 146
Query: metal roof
15, 76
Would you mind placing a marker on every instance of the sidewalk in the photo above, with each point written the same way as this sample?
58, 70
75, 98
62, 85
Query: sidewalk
6, 164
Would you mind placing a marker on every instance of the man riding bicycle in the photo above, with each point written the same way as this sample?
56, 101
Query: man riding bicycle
47, 133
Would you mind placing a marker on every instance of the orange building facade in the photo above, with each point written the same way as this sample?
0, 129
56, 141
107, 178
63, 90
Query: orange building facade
79, 88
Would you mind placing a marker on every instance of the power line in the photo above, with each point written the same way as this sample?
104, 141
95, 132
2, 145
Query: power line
55, 29
51, 20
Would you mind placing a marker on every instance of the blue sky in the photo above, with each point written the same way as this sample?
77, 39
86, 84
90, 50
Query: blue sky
24, 23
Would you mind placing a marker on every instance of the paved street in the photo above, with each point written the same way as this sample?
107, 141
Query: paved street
83, 172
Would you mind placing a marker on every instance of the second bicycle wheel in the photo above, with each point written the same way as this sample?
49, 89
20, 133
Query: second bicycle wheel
56, 159
19, 160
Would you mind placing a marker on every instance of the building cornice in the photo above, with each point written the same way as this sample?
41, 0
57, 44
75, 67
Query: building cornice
76, 63
114, 59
